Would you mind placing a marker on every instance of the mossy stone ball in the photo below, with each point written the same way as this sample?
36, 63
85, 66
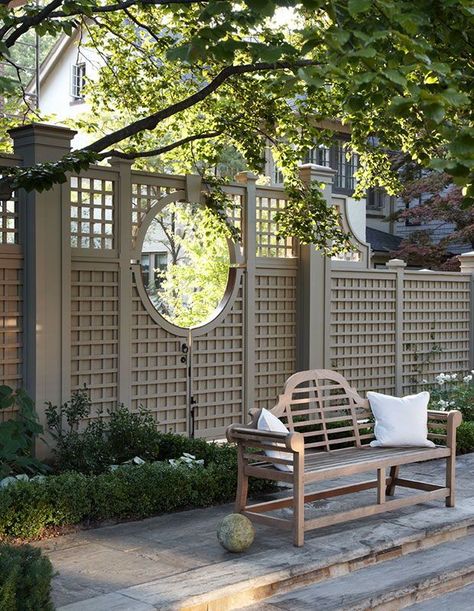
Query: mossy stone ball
236, 533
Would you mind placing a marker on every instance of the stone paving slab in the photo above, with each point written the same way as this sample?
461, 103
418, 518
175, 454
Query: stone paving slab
174, 560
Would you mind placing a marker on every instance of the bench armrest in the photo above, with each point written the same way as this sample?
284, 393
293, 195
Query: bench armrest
452, 419
293, 442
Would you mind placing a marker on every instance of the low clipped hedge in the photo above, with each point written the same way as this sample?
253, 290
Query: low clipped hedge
130, 492
25, 579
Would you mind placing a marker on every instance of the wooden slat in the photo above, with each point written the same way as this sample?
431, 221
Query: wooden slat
270, 473
269, 520
313, 496
410, 483
437, 436
266, 460
329, 471
370, 510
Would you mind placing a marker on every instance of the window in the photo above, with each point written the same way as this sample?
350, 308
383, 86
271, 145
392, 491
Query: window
318, 155
345, 165
277, 175
376, 199
153, 264
78, 80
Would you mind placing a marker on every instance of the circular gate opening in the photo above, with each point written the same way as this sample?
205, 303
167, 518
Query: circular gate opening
185, 265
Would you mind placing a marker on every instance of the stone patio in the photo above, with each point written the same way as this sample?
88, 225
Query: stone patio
175, 562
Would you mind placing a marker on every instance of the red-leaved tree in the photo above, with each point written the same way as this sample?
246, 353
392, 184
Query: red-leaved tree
441, 205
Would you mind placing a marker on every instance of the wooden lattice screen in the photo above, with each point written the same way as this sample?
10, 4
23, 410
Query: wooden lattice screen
436, 326
395, 331
11, 294
382, 329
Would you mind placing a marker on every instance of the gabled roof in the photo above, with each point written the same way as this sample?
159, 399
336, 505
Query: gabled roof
52, 58
381, 241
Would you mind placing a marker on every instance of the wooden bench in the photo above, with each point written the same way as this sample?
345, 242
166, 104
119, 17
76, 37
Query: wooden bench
324, 416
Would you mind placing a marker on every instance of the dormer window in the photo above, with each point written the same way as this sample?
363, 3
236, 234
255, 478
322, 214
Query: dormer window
78, 81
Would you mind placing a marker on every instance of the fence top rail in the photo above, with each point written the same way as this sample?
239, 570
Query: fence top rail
432, 275
267, 191
414, 273
9, 159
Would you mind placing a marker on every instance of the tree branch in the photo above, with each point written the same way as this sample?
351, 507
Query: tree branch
29, 22
162, 149
26, 22
151, 121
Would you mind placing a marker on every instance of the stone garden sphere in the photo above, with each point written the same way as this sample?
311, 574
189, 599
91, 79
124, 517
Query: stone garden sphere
235, 533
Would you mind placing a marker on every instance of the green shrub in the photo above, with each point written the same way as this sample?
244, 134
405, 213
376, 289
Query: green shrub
25, 579
113, 438
465, 437
18, 433
130, 492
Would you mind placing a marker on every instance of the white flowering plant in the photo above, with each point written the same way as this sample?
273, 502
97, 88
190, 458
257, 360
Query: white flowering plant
454, 391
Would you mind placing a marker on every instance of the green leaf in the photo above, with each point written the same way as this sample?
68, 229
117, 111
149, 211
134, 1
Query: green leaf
396, 77
456, 98
434, 111
356, 7
366, 52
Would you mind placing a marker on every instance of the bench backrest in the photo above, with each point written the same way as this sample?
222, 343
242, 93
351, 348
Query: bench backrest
322, 406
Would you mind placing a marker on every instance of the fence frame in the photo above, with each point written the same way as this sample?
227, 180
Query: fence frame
305, 280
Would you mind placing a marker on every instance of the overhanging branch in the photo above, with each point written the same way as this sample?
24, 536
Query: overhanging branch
150, 122
161, 150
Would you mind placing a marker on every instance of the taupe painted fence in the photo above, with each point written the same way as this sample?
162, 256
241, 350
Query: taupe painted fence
74, 310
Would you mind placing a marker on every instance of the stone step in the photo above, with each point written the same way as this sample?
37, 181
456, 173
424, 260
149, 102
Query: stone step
457, 600
249, 578
396, 584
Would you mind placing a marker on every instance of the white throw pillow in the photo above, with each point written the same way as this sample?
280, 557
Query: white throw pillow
268, 422
400, 421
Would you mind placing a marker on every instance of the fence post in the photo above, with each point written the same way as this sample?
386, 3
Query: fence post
398, 266
250, 253
314, 276
123, 205
43, 217
467, 267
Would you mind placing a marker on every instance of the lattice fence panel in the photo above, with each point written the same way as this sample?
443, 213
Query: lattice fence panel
11, 326
92, 213
9, 221
218, 369
362, 329
94, 334
144, 197
159, 380
436, 327
268, 245
275, 333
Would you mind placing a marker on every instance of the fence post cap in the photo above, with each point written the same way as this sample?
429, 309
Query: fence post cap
467, 262
246, 177
396, 264
310, 172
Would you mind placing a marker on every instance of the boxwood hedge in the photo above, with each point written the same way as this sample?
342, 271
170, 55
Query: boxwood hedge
130, 492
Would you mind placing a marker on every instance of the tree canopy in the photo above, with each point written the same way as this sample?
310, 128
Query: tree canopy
183, 79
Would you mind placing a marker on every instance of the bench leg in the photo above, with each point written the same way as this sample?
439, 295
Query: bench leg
298, 501
451, 479
381, 479
242, 483
393, 476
